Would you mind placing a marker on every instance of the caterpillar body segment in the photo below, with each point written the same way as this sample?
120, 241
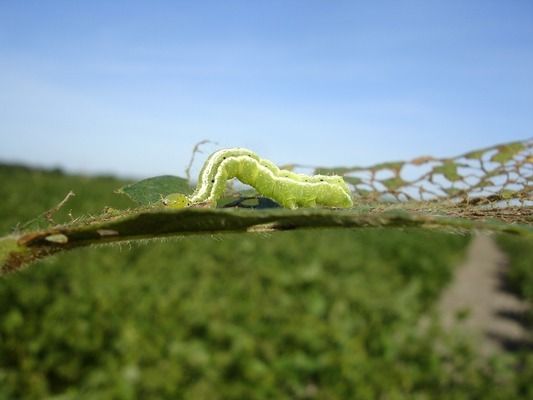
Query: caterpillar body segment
290, 189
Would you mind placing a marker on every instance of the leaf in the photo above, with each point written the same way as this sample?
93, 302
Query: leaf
422, 160
508, 194
395, 166
148, 222
250, 202
7, 245
507, 152
475, 155
160, 222
453, 191
449, 170
335, 171
394, 183
484, 184
149, 191
353, 180
13, 256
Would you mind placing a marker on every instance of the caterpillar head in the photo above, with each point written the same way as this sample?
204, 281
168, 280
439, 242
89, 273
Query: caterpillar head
176, 200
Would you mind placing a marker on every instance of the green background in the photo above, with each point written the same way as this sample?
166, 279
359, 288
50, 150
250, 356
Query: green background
328, 314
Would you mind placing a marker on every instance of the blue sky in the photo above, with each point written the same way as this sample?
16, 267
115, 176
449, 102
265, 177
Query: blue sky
129, 87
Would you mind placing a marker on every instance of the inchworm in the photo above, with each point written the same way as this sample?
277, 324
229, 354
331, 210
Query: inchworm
290, 189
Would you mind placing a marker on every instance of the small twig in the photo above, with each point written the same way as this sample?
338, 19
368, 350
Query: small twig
50, 213
195, 150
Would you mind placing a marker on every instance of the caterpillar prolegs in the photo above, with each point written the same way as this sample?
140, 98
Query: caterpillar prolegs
290, 189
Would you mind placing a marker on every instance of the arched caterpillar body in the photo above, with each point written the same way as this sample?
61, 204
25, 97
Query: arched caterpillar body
290, 189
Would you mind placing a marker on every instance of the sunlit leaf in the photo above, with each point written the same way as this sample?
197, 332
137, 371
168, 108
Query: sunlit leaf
151, 190
507, 152
353, 180
394, 183
475, 155
395, 166
449, 170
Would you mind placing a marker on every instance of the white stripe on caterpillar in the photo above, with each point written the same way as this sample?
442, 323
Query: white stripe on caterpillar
287, 188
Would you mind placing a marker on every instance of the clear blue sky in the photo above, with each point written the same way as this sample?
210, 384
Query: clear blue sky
128, 87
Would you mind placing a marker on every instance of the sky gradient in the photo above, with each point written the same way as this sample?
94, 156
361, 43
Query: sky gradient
129, 87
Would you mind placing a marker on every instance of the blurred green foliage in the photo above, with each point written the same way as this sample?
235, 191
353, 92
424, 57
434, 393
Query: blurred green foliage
328, 314
520, 253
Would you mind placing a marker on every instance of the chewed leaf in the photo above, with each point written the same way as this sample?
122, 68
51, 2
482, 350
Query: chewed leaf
508, 194
394, 183
395, 166
335, 171
507, 152
453, 191
489, 196
151, 190
353, 180
15, 251
449, 170
475, 155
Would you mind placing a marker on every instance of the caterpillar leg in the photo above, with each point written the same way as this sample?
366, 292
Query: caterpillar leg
309, 203
289, 203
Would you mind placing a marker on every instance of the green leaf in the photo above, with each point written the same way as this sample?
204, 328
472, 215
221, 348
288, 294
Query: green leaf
7, 245
151, 190
395, 165
475, 155
394, 183
508, 194
353, 180
484, 183
507, 152
12, 256
452, 191
449, 170
160, 222
335, 171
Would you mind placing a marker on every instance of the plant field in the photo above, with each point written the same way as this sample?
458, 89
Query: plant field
324, 314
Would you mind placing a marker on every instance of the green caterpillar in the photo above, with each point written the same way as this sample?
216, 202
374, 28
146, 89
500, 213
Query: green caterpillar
290, 189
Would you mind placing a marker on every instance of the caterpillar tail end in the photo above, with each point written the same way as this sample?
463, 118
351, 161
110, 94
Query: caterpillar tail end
176, 201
